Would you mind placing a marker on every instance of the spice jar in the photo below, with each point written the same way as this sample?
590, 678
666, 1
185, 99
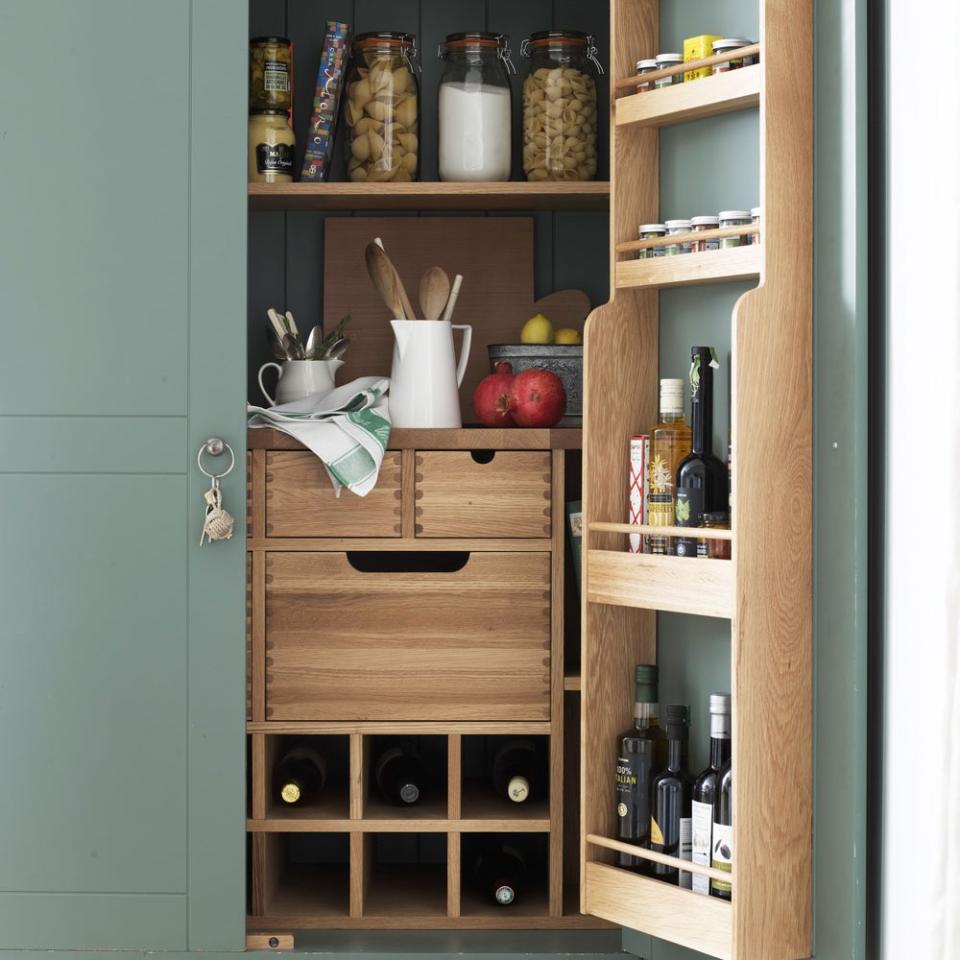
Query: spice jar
560, 106
651, 231
271, 143
674, 228
665, 60
725, 46
714, 549
733, 218
381, 109
645, 66
755, 220
475, 107
271, 67
698, 225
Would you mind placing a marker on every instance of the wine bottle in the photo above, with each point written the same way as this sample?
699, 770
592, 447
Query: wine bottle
669, 444
641, 751
701, 484
400, 775
705, 787
500, 870
300, 776
518, 771
670, 795
721, 856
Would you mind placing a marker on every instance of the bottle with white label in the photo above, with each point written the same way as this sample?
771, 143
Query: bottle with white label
721, 845
706, 787
670, 795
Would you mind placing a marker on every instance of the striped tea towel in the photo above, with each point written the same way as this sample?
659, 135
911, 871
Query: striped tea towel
347, 429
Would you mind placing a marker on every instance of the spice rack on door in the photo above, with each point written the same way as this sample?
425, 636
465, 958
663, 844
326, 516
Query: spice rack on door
765, 590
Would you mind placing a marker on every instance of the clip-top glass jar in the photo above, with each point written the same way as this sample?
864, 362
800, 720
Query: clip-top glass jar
475, 107
560, 106
381, 108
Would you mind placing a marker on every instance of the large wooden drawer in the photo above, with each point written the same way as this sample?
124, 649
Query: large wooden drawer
301, 501
460, 493
411, 639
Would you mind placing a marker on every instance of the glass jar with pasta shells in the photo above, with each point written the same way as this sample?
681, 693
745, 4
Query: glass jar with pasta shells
382, 109
560, 106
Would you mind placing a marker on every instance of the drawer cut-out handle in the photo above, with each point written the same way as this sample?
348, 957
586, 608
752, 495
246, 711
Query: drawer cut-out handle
408, 561
482, 456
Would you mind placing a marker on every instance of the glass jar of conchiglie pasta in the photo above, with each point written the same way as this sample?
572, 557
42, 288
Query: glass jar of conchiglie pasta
560, 106
382, 109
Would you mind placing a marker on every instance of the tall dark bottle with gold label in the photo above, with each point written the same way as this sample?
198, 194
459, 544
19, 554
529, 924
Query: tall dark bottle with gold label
701, 484
670, 795
641, 752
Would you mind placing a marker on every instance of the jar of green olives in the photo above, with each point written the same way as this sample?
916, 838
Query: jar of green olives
271, 71
382, 109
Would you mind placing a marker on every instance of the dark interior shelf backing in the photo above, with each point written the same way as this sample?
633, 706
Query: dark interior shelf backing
407, 875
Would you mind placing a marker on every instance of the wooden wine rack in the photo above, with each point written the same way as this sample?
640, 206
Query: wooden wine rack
765, 590
322, 665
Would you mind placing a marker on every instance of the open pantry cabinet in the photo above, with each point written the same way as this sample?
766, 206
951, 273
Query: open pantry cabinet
761, 599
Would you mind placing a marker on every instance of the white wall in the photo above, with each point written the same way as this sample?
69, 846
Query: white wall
921, 778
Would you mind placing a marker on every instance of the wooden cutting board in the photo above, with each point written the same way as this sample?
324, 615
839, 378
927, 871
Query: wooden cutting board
495, 256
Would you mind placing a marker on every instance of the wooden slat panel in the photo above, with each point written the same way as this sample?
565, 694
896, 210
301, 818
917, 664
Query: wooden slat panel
678, 584
453, 875
467, 645
300, 500
660, 909
458, 497
465, 438
555, 845
692, 269
407, 728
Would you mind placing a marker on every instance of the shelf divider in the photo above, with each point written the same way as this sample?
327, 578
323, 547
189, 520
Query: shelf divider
692, 269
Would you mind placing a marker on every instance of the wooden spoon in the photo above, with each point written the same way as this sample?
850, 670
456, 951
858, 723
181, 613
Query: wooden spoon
387, 281
434, 292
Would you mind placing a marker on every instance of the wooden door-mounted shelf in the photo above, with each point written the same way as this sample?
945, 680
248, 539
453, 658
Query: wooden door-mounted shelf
520, 196
765, 590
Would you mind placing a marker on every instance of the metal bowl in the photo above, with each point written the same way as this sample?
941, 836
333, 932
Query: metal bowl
566, 361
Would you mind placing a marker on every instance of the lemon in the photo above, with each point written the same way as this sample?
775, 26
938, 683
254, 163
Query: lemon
537, 329
568, 335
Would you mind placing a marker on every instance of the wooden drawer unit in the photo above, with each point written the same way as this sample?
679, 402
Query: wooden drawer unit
411, 636
485, 493
300, 501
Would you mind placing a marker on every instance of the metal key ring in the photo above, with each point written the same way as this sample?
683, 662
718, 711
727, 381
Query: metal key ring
215, 447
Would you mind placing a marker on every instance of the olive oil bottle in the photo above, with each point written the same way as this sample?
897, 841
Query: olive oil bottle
669, 444
670, 792
641, 752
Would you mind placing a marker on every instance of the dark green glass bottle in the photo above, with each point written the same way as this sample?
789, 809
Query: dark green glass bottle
641, 752
670, 796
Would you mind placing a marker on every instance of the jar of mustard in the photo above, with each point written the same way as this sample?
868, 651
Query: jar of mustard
271, 147
382, 109
271, 71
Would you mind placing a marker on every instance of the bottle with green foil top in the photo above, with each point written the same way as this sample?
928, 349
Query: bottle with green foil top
641, 752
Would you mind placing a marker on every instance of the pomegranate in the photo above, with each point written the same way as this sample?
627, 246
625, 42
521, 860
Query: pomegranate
538, 399
492, 402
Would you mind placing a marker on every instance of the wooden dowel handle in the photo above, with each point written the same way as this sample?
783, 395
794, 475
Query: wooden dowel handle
629, 83
686, 865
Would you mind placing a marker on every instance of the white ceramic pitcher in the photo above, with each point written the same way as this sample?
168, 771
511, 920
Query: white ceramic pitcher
300, 378
425, 379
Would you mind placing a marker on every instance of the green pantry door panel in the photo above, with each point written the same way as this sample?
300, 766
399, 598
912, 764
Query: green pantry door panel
121, 652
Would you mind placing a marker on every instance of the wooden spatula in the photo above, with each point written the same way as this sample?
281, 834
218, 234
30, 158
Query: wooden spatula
388, 283
434, 292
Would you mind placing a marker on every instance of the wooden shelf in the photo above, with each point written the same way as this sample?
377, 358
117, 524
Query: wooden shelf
402, 728
554, 195
488, 813
388, 817
652, 582
462, 438
707, 97
401, 890
691, 269
660, 909
531, 904
333, 804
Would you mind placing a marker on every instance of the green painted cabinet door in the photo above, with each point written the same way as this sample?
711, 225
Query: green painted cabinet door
122, 271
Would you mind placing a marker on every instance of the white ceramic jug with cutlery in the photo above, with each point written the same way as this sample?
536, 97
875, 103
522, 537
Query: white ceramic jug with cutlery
300, 378
425, 379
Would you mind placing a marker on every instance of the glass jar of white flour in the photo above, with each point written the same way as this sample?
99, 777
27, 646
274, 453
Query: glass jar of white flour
475, 108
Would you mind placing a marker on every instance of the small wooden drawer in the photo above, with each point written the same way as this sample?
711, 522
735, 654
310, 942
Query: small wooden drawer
301, 501
408, 636
483, 493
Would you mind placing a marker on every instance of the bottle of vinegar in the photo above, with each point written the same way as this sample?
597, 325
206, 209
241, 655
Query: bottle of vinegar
670, 801
669, 444
706, 786
641, 752
701, 484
